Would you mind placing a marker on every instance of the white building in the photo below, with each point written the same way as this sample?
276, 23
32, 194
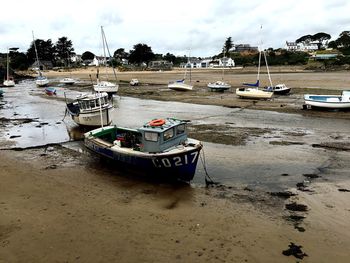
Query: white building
305, 47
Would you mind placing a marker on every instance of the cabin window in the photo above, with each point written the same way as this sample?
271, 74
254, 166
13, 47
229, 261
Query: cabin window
92, 104
168, 134
151, 136
180, 129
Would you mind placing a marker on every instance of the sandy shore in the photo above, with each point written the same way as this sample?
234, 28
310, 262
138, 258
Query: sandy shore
58, 206
54, 212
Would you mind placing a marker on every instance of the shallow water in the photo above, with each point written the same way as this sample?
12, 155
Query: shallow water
258, 164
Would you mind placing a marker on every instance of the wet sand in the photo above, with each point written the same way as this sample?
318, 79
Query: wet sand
59, 205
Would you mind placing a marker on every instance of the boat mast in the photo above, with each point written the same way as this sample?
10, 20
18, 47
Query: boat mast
267, 67
8, 65
104, 40
36, 54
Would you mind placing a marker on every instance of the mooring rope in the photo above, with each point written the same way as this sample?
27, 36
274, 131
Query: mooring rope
208, 180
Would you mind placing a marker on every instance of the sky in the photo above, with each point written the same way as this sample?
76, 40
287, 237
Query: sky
181, 27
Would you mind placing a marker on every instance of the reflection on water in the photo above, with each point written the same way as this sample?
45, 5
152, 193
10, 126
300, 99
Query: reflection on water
257, 164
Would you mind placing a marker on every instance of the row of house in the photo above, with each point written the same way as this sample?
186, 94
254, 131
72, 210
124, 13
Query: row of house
305, 47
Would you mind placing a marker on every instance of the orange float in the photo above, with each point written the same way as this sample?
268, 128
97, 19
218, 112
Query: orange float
157, 122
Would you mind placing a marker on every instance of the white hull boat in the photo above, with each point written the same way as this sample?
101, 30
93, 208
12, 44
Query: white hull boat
68, 81
179, 85
9, 83
253, 93
41, 81
328, 101
106, 86
91, 110
219, 86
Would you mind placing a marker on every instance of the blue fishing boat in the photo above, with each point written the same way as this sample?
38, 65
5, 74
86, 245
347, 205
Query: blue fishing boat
50, 91
159, 147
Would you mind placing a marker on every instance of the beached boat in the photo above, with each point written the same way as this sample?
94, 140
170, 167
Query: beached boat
179, 85
91, 109
328, 101
67, 81
134, 82
50, 91
252, 91
41, 80
218, 86
160, 147
9, 81
105, 85
279, 89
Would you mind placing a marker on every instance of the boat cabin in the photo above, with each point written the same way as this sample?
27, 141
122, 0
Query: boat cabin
155, 136
92, 101
158, 136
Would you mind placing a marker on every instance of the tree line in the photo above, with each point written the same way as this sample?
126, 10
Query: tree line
60, 53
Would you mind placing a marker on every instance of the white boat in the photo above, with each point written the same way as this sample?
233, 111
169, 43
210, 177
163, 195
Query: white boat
134, 82
8, 82
41, 80
219, 86
91, 109
67, 81
179, 85
105, 85
328, 101
252, 91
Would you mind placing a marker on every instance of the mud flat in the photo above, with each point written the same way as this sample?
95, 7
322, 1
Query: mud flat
281, 195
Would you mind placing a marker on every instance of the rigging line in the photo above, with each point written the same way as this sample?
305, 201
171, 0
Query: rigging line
109, 53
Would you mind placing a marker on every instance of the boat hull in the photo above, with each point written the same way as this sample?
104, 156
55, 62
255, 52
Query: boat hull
329, 102
105, 86
178, 164
67, 81
218, 86
9, 83
253, 93
92, 118
179, 86
50, 91
42, 82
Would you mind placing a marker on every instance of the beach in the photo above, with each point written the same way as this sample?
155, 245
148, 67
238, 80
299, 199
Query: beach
63, 205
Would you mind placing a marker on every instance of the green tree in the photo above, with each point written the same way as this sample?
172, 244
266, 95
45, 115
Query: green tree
227, 46
46, 51
64, 50
170, 57
120, 54
87, 55
141, 53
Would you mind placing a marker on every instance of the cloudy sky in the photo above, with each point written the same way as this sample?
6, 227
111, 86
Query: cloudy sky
174, 26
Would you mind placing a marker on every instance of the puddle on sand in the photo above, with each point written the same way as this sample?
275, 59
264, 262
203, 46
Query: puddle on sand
257, 164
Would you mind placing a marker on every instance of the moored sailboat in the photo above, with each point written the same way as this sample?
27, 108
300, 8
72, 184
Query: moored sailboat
252, 91
9, 81
41, 80
105, 85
